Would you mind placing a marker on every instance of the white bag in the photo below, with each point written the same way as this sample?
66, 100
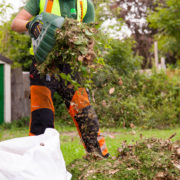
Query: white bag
33, 158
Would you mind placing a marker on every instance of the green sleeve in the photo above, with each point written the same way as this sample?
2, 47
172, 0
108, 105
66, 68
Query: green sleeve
90, 15
32, 6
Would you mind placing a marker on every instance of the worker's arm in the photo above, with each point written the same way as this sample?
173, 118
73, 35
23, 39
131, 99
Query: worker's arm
20, 21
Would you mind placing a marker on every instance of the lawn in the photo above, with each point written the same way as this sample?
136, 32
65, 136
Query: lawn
70, 142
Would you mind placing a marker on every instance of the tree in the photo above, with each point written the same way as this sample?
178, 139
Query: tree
166, 19
134, 14
3, 9
13, 45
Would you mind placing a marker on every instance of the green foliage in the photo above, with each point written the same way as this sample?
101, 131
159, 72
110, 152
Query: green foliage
61, 112
120, 56
150, 101
166, 19
15, 46
20, 123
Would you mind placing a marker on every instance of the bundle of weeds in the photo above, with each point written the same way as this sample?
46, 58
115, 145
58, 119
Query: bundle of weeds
75, 43
148, 159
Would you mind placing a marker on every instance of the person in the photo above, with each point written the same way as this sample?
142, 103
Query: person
42, 88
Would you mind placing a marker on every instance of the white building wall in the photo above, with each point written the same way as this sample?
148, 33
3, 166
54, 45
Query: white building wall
7, 93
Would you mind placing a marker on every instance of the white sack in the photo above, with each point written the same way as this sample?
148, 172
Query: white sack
33, 158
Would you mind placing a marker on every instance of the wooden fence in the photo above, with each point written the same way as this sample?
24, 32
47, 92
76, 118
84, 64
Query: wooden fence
20, 93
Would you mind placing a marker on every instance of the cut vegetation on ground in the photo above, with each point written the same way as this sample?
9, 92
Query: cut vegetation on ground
135, 153
147, 159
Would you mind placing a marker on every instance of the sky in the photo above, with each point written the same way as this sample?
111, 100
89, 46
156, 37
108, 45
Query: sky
16, 4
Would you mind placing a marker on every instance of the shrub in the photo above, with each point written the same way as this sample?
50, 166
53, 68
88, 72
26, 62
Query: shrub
121, 57
150, 101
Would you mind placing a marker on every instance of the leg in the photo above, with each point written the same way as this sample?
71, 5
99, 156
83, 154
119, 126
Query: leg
87, 123
42, 108
84, 117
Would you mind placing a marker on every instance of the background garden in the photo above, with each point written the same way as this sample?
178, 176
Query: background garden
133, 98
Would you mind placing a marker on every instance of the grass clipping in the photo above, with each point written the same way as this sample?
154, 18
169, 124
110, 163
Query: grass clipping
75, 45
149, 159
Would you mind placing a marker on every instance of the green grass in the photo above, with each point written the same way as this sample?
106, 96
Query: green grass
72, 148
131, 136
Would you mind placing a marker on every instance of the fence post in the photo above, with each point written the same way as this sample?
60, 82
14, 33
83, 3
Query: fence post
163, 64
19, 94
156, 54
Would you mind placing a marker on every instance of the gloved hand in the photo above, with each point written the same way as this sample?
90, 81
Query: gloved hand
34, 28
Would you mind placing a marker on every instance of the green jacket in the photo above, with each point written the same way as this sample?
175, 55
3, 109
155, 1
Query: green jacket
32, 6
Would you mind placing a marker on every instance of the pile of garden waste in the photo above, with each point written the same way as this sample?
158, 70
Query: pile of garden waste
148, 159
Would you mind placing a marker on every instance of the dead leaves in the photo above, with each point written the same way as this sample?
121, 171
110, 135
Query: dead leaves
159, 176
178, 152
152, 158
93, 156
104, 103
87, 55
111, 91
172, 136
132, 125
113, 171
120, 82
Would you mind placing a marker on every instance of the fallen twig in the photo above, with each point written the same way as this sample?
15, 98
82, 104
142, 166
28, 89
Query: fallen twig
172, 136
